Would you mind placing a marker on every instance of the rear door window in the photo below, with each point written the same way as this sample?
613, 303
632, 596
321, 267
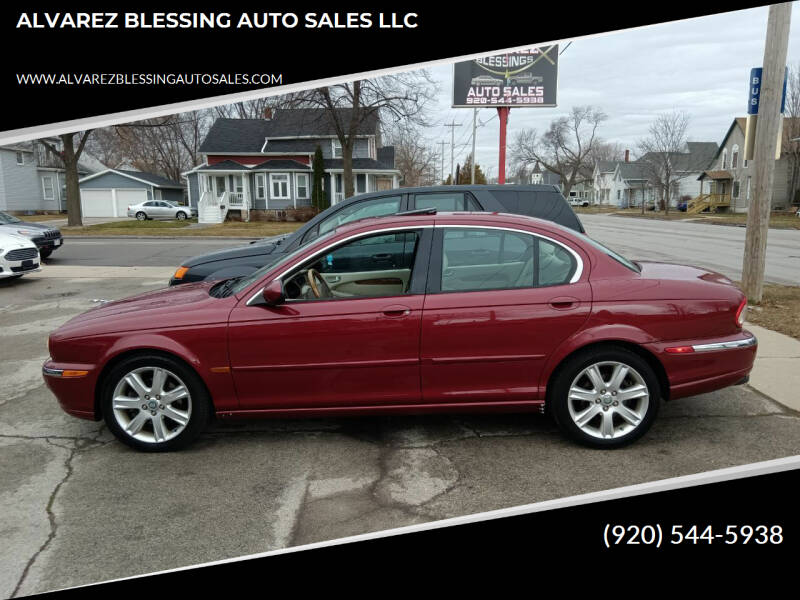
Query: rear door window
446, 201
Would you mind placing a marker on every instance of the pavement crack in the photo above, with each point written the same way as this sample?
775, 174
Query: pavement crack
50, 515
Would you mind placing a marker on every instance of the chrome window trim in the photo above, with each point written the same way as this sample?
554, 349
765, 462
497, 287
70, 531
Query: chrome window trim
751, 341
579, 263
336, 243
575, 277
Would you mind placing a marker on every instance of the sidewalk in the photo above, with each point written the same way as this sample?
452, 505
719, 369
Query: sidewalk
94, 272
776, 372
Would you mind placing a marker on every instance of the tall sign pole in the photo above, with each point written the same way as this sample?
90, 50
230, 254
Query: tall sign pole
452, 127
766, 136
474, 131
502, 112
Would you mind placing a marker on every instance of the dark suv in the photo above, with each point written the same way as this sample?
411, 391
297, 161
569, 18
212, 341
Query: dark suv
542, 201
46, 238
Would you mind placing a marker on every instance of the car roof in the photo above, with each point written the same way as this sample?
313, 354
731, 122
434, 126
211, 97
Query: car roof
451, 218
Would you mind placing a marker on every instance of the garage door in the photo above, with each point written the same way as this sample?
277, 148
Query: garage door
97, 203
100, 203
125, 198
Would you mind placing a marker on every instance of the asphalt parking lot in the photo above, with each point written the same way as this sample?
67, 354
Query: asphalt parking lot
80, 507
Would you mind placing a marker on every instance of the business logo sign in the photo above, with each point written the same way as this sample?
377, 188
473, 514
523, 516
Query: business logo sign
515, 79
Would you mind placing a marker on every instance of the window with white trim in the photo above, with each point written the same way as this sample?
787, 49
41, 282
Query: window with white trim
724, 157
301, 186
735, 157
48, 187
20, 158
279, 186
336, 150
260, 189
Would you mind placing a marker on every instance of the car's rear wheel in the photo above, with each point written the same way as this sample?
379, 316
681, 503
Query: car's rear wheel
141, 216
605, 398
154, 403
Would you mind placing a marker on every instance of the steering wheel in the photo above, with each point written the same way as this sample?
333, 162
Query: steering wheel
318, 285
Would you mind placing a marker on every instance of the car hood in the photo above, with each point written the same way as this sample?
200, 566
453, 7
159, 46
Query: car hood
254, 249
178, 306
25, 225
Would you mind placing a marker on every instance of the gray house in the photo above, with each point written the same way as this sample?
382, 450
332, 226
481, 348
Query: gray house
110, 192
266, 164
32, 177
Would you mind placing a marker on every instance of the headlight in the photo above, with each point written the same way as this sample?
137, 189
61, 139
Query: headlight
27, 232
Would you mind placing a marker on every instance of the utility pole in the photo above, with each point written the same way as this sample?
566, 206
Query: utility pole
769, 121
452, 127
442, 143
474, 129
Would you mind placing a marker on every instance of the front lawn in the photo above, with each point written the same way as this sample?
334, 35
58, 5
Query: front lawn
779, 310
253, 229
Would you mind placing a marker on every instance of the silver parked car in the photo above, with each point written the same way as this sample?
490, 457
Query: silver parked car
161, 209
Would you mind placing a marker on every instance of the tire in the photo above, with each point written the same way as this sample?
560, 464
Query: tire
141, 216
181, 216
612, 422
177, 422
45, 253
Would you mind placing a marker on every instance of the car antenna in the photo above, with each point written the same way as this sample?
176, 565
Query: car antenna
418, 211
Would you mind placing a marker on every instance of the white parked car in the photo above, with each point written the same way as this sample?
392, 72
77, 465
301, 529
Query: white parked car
18, 255
161, 209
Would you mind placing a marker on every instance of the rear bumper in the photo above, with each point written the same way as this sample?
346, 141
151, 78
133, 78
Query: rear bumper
712, 364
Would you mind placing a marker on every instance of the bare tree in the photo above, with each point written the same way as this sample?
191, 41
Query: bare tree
399, 98
791, 130
249, 109
70, 155
660, 153
413, 157
608, 151
567, 148
165, 145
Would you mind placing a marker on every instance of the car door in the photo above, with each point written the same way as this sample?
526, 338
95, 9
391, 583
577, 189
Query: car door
499, 302
358, 347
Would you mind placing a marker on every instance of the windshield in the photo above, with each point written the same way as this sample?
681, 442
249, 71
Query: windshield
273, 261
5, 219
617, 257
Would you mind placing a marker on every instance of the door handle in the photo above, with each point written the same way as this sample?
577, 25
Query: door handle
564, 302
396, 310
383, 256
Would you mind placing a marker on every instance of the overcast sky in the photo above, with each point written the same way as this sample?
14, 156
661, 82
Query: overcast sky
700, 66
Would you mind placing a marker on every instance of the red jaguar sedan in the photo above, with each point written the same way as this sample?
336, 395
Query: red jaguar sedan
449, 312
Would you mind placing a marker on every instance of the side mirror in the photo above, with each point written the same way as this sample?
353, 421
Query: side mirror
273, 293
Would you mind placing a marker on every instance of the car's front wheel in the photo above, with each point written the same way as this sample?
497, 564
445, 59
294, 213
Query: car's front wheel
141, 216
181, 216
605, 398
154, 403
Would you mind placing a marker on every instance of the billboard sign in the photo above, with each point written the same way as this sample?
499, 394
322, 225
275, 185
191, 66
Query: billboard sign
514, 79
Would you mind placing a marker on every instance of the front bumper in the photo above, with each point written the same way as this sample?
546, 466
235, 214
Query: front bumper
73, 385
48, 243
10, 268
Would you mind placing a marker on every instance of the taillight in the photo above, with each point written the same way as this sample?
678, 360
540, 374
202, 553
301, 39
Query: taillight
741, 313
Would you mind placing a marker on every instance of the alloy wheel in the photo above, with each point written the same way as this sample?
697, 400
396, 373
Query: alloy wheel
608, 399
152, 404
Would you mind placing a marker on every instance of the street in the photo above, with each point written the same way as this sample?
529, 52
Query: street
716, 247
713, 246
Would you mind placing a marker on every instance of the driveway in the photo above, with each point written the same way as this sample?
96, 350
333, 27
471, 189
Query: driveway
79, 507
716, 247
